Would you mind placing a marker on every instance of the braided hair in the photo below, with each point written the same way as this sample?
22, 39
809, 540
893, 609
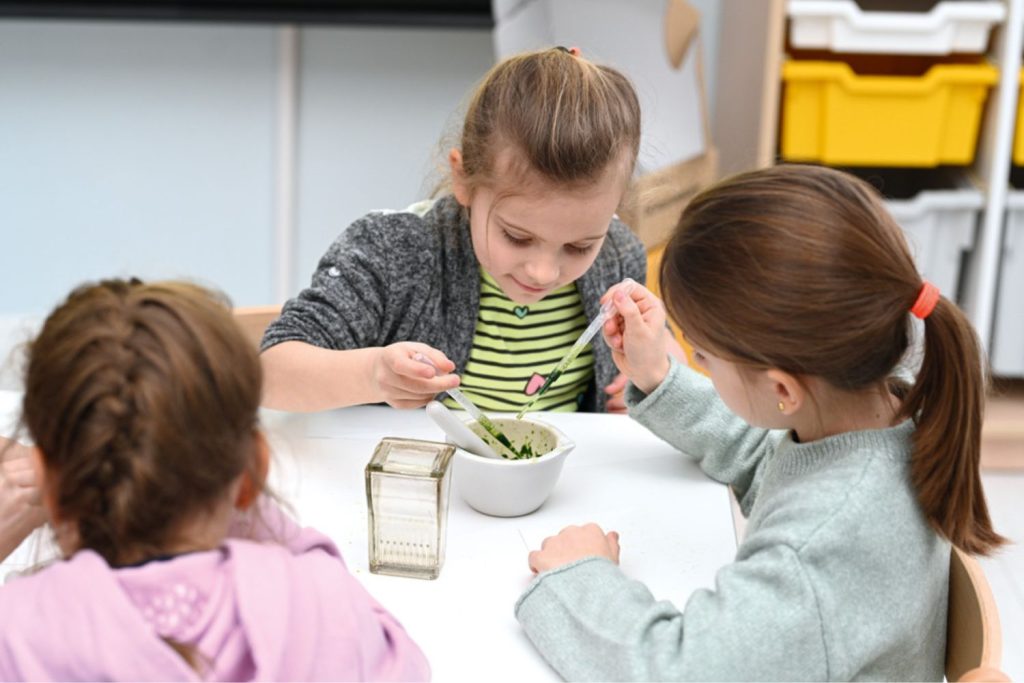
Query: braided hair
142, 399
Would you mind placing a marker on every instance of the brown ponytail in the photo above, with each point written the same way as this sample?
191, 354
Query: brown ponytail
947, 401
801, 268
143, 401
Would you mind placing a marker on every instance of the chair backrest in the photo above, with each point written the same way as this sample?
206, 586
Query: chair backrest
974, 642
254, 320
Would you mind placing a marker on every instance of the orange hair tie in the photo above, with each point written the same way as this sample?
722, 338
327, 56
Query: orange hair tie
926, 300
574, 51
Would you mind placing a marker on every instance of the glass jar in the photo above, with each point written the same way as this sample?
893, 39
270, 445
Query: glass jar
407, 487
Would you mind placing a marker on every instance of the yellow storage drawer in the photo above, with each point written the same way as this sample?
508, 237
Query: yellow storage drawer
1018, 140
833, 116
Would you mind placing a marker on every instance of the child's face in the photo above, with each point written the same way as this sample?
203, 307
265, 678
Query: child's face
748, 395
538, 239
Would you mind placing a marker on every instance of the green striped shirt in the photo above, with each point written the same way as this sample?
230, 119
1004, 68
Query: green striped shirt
516, 346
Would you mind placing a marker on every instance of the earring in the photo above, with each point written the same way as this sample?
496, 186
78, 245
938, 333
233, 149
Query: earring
782, 407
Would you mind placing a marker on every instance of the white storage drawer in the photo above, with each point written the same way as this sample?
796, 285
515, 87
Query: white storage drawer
938, 211
842, 26
1007, 355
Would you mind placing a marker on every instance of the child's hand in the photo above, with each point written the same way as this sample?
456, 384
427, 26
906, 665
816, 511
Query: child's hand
574, 543
403, 382
636, 336
21, 505
616, 402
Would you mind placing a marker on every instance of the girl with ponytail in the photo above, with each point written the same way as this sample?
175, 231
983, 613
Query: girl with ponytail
141, 401
801, 299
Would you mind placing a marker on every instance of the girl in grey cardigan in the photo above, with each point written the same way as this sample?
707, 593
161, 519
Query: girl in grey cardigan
796, 289
547, 150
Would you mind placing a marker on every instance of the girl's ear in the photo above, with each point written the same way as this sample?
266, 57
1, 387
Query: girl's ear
254, 478
460, 188
788, 392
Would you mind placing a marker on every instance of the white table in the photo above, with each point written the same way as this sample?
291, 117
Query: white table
676, 527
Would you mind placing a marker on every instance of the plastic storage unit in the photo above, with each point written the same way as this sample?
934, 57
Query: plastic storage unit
1018, 139
843, 26
832, 115
938, 211
1007, 355
758, 37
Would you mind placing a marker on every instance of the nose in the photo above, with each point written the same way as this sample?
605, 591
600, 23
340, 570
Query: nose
542, 271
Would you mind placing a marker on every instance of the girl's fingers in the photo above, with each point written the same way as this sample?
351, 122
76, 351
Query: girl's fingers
421, 385
628, 309
13, 451
411, 366
410, 388
626, 286
21, 477
645, 299
424, 362
617, 384
613, 544
639, 292
616, 406
440, 361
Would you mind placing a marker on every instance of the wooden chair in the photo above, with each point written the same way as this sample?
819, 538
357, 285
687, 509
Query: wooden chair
974, 642
254, 320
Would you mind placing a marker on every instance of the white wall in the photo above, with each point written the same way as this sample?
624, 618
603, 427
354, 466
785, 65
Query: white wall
375, 105
134, 149
148, 148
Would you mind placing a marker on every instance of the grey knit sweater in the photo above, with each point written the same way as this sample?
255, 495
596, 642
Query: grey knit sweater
397, 276
839, 576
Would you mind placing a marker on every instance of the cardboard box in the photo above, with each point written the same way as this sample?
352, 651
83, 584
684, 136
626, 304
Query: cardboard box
656, 43
655, 202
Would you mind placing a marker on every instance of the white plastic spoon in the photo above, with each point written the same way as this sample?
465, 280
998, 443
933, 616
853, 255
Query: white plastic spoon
458, 431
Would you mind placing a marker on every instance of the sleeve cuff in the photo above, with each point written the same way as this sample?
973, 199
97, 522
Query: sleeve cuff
574, 573
640, 403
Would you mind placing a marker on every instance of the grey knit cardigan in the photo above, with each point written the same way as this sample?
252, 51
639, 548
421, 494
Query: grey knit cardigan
399, 276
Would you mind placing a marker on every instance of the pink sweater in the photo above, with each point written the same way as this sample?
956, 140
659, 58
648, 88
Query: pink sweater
248, 610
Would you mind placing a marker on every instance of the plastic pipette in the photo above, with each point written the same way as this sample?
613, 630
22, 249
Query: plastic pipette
607, 310
475, 412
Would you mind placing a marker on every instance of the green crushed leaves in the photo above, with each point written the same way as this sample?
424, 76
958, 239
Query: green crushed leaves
524, 452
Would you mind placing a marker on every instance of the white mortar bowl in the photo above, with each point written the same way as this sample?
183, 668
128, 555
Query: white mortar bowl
510, 488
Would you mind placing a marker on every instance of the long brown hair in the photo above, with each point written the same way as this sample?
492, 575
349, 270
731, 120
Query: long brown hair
568, 118
801, 268
142, 399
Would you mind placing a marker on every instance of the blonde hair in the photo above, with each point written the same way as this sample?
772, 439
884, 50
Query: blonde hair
567, 118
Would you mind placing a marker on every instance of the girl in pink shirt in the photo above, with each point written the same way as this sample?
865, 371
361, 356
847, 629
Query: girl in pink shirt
142, 403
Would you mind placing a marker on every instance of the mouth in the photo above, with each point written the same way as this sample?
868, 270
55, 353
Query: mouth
530, 290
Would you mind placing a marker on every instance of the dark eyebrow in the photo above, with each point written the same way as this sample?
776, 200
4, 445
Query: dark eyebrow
509, 224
